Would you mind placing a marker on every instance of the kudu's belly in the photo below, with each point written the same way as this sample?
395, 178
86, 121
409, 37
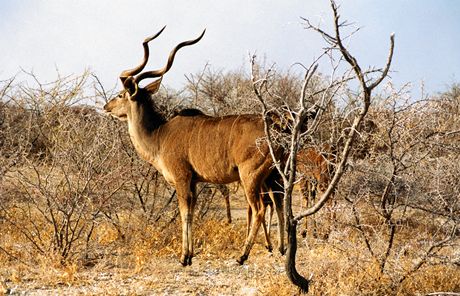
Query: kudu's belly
216, 173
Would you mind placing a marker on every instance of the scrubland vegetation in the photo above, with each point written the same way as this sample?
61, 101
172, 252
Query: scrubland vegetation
77, 203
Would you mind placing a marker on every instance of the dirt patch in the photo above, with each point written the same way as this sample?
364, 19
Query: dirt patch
165, 276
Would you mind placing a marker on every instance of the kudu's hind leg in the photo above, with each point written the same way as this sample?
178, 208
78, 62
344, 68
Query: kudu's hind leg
266, 228
266, 225
277, 193
187, 200
255, 217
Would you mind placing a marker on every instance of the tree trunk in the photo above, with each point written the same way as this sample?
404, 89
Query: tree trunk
291, 251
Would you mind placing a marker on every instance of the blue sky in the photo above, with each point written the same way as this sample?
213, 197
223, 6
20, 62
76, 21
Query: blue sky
106, 36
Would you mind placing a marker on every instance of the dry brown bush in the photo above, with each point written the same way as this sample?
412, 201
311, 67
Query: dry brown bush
68, 169
398, 213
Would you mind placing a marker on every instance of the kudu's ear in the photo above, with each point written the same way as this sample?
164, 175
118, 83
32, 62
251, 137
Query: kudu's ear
153, 87
131, 87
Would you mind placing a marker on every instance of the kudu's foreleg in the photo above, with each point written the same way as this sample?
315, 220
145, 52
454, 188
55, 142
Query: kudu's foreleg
273, 185
187, 200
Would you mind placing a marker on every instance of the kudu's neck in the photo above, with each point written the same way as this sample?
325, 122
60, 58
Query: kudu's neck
144, 120
145, 116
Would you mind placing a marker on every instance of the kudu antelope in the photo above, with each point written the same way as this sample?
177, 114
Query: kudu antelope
192, 147
317, 169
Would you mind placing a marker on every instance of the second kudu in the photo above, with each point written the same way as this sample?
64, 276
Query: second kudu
192, 147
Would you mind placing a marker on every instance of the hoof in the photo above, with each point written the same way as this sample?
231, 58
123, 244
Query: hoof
185, 261
282, 250
269, 248
242, 259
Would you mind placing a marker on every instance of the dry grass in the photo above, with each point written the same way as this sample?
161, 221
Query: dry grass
146, 255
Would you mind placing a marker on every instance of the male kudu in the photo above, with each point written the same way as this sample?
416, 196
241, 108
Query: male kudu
192, 147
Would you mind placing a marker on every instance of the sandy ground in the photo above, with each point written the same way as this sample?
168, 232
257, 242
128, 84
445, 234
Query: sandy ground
204, 277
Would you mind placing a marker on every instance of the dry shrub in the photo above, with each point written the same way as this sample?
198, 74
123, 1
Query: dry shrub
437, 278
340, 272
68, 175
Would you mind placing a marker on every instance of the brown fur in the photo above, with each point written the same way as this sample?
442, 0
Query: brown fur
317, 169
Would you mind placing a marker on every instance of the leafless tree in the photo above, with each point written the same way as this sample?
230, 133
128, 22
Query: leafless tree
311, 105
